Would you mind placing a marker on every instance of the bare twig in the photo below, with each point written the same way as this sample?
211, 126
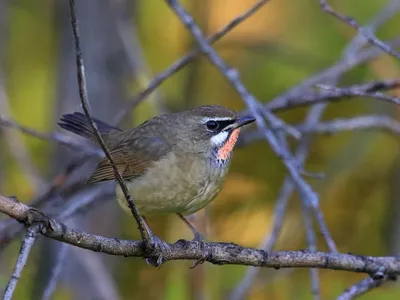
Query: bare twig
218, 253
312, 246
288, 186
56, 137
354, 92
281, 203
379, 19
146, 235
233, 77
79, 202
26, 247
366, 33
372, 122
335, 94
292, 100
134, 53
368, 122
180, 63
362, 287
290, 97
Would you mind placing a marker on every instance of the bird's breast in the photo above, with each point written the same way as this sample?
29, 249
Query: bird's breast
176, 184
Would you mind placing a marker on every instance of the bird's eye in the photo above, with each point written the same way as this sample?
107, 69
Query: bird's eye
212, 125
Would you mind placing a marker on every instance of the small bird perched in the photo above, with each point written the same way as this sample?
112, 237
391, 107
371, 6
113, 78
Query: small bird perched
174, 163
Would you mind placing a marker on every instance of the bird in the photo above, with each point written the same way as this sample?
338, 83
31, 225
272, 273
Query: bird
174, 163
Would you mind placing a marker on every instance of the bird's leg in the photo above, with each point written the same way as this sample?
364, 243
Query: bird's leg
197, 238
156, 244
197, 235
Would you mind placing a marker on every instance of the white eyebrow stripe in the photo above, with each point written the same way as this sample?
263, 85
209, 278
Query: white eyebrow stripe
206, 119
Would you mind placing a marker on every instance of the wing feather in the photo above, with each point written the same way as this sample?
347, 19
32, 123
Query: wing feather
132, 159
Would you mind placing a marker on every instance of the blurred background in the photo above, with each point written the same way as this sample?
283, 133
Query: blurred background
127, 42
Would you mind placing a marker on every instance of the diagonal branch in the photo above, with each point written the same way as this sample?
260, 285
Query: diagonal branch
233, 78
85, 105
362, 287
366, 33
26, 247
186, 59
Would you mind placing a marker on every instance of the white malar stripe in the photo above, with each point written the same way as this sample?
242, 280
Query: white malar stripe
219, 139
206, 119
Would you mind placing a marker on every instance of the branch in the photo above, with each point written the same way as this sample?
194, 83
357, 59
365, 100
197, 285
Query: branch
366, 33
280, 207
358, 93
233, 78
344, 65
218, 253
144, 232
356, 123
26, 247
362, 287
54, 137
293, 100
186, 59
368, 122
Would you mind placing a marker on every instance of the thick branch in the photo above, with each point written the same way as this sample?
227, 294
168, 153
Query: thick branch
218, 253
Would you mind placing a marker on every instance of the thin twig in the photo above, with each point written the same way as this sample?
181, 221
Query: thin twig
26, 247
186, 59
292, 101
354, 92
233, 77
145, 234
379, 19
366, 33
362, 287
288, 186
368, 122
280, 207
371, 122
290, 97
133, 50
56, 137
312, 246
336, 94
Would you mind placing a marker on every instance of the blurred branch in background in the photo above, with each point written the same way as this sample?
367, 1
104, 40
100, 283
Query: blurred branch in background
361, 30
180, 63
286, 191
305, 191
133, 50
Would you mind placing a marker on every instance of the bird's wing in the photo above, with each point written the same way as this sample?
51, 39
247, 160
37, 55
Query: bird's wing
132, 158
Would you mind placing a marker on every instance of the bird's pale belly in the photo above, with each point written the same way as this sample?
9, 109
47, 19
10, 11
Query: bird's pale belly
174, 186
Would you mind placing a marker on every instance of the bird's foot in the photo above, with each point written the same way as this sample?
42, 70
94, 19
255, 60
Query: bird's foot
199, 239
156, 246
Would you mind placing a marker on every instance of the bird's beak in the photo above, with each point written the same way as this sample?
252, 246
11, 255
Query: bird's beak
240, 121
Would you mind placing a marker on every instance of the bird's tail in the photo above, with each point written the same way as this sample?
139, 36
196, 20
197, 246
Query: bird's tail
78, 124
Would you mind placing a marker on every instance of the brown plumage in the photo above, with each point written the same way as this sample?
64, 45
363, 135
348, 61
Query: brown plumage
170, 162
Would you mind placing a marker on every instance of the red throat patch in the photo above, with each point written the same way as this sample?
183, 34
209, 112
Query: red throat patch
226, 149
